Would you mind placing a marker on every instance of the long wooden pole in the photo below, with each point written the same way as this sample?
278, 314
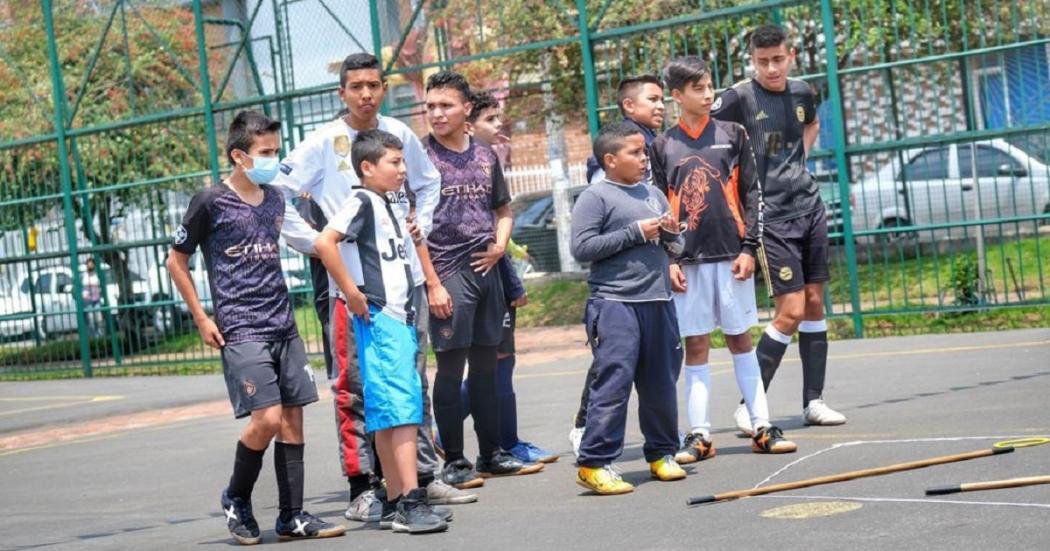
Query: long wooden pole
989, 485
841, 477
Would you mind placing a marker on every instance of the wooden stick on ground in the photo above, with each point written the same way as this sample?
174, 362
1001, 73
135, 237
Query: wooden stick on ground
989, 485
841, 477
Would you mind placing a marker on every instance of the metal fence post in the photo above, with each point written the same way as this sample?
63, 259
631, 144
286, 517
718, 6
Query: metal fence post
209, 115
590, 84
839, 127
377, 45
58, 92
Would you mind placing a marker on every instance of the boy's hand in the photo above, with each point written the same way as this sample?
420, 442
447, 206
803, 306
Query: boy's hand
520, 301
357, 304
650, 228
669, 223
440, 302
414, 232
210, 333
743, 266
677, 279
484, 261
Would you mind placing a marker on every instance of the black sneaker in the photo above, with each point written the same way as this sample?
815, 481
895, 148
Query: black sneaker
695, 448
390, 510
240, 520
303, 525
461, 474
504, 464
415, 516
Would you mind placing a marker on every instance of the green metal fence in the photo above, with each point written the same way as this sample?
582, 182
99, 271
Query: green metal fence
933, 154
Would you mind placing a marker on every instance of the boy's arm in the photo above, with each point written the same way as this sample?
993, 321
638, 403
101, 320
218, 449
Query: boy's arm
300, 171
750, 193
513, 289
727, 107
327, 246
178, 264
810, 119
485, 261
588, 243
424, 180
437, 296
296, 232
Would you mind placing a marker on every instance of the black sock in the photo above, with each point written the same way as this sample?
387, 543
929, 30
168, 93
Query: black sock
813, 348
424, 479
769, 351
508, 403
483, 400
447, 408
246, 466
359, 484
288, 464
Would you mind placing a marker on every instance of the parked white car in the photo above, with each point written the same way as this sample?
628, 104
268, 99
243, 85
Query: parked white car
936, 186
51, 289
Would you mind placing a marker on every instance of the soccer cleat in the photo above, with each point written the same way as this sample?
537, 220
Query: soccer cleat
415, 516
742, 417
818, 413
504, 464
695, 448
575, 438
240, 520
367, 507
771, 440
527, 452
303, 525
666, 469
603, 480
440, 493
461, 474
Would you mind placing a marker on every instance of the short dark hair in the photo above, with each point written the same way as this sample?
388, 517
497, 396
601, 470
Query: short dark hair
629, 87
371, 145
356, 62
481, 102
245, 127
768, 36
450, 79
611, 138
683, 71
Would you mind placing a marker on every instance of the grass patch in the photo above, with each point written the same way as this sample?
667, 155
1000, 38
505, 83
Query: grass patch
558, 302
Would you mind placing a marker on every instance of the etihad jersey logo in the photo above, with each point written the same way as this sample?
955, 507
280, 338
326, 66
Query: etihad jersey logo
467, 191
761, 116
238, 251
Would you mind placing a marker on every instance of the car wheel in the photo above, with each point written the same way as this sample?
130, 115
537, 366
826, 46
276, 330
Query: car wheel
893, 238
163, 319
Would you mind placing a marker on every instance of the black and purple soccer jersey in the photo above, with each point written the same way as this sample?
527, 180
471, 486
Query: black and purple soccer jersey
242, 257
776, 122
709, 177
472, 187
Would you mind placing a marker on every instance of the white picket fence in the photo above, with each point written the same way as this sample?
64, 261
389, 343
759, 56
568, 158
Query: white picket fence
531, 178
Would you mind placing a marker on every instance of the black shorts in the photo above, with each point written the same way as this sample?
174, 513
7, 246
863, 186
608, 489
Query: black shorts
510, 322
478, 307
794, 252
263, 374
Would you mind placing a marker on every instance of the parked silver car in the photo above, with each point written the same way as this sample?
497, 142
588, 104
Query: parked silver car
936, 186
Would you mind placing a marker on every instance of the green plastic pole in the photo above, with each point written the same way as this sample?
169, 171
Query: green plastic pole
839, 128
377, 45
590, 84
58, 92
209, 115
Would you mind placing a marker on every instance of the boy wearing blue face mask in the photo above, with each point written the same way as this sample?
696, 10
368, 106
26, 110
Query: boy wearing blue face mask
237, 225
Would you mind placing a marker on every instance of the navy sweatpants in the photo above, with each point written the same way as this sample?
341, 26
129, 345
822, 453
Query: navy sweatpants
633, 343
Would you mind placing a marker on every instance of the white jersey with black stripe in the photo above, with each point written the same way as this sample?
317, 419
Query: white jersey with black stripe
374, 250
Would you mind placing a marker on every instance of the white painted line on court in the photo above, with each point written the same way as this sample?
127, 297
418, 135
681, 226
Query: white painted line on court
913, 500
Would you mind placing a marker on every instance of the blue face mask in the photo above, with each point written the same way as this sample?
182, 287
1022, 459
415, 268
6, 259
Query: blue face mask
264, 169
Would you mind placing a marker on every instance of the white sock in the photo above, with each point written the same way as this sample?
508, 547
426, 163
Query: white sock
697, 391
813, 326
777, 335
749, 379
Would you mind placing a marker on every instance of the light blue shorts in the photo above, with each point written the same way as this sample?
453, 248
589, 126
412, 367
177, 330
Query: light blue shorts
386, 349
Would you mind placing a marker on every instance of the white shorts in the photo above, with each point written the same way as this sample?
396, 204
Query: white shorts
714, 298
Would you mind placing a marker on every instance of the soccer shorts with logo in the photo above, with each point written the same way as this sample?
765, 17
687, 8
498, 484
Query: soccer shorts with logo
795, 252
386, 350
714, 298
478, 307
510, 322
263, 374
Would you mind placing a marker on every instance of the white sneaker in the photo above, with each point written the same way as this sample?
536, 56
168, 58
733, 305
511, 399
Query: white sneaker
439, 493
575, 437
818, 413
743, 420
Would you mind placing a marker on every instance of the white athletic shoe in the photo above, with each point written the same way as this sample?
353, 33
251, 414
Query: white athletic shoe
818, 413
575, 437
743, 420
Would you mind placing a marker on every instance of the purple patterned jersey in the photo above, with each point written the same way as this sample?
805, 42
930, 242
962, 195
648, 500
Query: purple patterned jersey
472, 187
242, 256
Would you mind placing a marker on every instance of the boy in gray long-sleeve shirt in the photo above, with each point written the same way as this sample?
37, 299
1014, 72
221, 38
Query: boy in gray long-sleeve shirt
617, 225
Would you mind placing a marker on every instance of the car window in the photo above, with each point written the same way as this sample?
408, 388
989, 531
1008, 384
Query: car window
25, 286
532, 215
989, 159
62, 280
43, 284
930, 165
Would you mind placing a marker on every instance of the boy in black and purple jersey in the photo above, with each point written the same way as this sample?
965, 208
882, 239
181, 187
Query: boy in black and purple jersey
472, 225
780, 115
237, 225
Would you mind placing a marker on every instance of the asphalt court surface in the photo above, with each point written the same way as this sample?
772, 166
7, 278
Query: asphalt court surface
155, 484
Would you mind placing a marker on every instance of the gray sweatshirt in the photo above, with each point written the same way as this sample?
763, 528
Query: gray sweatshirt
606, 232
